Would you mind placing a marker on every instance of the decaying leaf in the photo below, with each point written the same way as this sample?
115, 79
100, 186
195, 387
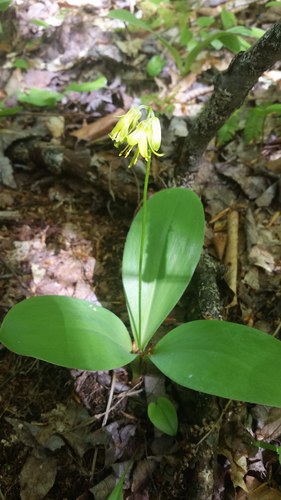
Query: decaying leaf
37, 477
99, 128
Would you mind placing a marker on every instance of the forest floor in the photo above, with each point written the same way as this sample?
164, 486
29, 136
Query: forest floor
63, 225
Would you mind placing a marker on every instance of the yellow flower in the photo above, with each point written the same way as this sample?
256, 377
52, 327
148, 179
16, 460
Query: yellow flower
125, 125
145, 135
154, 136
139, 138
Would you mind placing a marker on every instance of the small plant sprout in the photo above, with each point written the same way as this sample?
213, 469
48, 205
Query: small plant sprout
161, 252
163, 415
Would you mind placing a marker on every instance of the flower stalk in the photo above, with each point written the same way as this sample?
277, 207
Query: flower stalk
143, 136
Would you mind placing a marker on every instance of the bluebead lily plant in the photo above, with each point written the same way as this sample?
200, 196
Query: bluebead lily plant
161, 252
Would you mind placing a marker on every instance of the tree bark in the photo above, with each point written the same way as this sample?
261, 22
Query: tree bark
230, 89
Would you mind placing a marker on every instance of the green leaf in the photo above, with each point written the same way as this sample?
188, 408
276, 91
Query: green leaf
4, 4
242, 30
10, 111
185, 35
127, 17
173, 243
278, 450
254, 124
224, 359
67, 332
274, 3
273, 108
228, 19
217, 35
97, 84
155, 65
227, 132
40, 22
40, 97
205, 21
20, 63
217, 44
258, 32
117, 492
235, 43
164, 416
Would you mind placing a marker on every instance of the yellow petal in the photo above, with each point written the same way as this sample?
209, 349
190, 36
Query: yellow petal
154, 136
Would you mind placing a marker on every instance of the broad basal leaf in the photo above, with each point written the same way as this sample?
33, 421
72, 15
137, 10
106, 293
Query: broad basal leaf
225, 359
67, 332
173, 243
163, 415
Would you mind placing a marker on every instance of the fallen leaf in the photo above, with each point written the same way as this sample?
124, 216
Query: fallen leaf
238, 469
37, 477
99, 128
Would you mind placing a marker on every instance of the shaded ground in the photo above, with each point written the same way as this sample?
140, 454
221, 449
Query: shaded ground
63, 234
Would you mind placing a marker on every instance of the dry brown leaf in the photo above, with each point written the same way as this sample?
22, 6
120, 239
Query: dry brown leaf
231, 257
99, 128
258, 491
37, 477
219, 242
272, 425
238, 469
142, 473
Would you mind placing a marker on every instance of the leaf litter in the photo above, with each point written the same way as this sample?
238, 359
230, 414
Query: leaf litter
67, 239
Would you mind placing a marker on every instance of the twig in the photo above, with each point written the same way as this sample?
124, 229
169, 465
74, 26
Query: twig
230, 90
109, 401
231, 258
216, 424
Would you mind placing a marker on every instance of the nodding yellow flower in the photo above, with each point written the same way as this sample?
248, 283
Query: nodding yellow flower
154, 136
125, 125
145, 135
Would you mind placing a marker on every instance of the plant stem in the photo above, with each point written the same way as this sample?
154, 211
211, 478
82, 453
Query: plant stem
264, 445
143, 225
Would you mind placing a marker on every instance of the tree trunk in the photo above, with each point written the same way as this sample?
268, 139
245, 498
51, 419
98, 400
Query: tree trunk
230, 90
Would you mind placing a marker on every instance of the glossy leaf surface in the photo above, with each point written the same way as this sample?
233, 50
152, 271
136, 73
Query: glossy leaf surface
163, 415
225, 359
67, 332
173, 243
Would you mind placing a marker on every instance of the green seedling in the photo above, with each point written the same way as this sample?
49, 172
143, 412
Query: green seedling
161, 252
233, 37
155, 65
251, 121
49, 98
163, 415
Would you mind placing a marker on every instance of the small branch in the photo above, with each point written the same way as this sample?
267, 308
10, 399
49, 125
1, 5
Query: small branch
230, 90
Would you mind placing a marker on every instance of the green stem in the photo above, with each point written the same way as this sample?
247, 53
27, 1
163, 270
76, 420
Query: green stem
265, 446
143, 225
